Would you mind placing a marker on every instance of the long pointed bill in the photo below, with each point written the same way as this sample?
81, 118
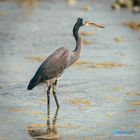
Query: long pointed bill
89, 23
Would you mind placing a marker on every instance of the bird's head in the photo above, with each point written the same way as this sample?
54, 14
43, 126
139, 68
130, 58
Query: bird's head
79, 22
87, 23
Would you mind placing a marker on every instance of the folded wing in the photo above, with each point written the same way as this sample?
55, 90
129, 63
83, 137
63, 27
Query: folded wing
52, 67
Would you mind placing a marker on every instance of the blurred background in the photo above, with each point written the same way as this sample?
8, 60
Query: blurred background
99, 96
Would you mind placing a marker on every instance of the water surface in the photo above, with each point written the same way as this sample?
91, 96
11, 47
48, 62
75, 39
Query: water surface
97, 96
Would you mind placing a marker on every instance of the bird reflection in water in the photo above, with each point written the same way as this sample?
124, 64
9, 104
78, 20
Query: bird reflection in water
46, 131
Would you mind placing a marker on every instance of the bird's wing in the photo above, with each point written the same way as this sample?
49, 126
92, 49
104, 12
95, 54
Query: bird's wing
54, 65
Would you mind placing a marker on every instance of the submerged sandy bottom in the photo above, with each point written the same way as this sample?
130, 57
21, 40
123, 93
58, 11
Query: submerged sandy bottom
99, 96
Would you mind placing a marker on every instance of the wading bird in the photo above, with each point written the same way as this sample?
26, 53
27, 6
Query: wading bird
54, 66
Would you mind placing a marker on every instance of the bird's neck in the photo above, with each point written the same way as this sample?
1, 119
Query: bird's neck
78, 39
76, 52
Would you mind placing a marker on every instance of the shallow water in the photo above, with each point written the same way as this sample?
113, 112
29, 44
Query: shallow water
98, 96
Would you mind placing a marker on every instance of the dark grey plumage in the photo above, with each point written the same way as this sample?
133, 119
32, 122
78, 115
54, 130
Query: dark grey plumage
52, 67
57, 62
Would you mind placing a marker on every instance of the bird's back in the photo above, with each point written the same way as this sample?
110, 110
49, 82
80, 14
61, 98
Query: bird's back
52, 67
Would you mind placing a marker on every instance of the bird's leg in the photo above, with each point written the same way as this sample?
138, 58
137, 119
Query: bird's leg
54, 128
55, 97
55, 116
48, 98
48, 121
54, 94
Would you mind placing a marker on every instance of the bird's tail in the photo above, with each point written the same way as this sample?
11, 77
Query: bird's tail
32, 83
